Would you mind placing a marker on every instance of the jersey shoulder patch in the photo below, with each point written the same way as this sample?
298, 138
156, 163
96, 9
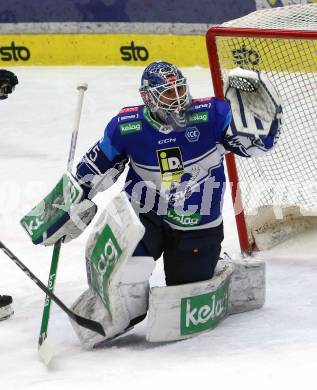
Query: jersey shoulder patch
130, 120
130, 110
201, 104
127, 114
199, 111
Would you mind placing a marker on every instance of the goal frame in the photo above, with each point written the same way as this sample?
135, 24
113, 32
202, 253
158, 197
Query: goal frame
214, 64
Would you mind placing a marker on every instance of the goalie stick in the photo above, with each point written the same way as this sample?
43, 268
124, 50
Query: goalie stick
44, 349
84, 322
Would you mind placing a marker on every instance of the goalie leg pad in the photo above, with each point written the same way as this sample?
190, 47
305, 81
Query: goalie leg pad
129, 301
118, 284
247, 286
183, 311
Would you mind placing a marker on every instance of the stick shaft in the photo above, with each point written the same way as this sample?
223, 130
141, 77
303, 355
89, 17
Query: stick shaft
73, 143
57, 247
85, 322
50, 285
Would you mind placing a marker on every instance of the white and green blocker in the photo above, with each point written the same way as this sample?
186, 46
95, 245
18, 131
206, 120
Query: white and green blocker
63, 213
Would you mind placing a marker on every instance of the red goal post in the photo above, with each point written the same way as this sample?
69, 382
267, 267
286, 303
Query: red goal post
289, 57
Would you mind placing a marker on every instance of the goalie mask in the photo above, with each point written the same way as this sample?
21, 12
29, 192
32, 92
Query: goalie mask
165, 92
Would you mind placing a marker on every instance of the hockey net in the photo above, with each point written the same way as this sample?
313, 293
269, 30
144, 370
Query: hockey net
279, 190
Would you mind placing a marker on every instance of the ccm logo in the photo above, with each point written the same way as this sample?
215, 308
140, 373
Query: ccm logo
134, 53
166, 141
15, 53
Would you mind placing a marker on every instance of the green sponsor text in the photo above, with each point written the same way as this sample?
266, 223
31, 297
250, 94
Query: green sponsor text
183, 219
51, 209
130, 127
199, 117
104, 258
202, 312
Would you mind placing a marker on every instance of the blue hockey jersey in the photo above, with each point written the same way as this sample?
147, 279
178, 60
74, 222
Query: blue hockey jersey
179, 175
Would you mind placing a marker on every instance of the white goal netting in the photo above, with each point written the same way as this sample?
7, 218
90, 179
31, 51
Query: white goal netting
280, 187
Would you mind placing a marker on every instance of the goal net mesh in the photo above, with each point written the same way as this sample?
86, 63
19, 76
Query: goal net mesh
282, 184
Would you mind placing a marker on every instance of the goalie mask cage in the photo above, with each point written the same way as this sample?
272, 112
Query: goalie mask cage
275, 195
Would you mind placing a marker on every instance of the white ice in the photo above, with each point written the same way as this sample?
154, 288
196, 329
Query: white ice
275, 347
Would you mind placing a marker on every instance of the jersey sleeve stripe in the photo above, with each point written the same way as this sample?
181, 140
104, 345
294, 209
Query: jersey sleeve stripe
108, 149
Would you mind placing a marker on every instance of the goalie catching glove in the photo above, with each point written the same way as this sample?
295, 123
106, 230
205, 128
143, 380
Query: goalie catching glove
63, 214
255, 103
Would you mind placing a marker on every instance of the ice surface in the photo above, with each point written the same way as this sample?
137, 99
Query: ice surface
275, 347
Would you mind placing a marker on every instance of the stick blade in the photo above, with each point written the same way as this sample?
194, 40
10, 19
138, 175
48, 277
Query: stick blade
89, 324
46, 352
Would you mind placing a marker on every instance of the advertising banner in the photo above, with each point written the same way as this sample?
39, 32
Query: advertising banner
101, 49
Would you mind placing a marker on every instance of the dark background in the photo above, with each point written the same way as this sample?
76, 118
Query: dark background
156, 11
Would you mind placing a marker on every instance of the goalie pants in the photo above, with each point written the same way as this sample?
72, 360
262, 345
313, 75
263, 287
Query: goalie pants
189, 256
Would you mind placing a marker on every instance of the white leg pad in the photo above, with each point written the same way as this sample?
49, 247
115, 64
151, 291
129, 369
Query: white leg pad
90, 305
135, 287
118, 282
179, 312
247, 286
129, 300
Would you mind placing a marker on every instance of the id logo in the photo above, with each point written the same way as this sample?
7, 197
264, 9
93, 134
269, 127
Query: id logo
192, 134
171, 166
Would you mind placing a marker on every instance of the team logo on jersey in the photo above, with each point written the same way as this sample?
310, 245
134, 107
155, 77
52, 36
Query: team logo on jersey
199, 117
130, 127
192, 134
171, 166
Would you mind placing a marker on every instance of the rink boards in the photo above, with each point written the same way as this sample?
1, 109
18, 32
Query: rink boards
142, 49
101, 49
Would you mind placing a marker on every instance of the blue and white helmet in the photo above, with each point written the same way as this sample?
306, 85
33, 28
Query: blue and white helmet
163, 87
